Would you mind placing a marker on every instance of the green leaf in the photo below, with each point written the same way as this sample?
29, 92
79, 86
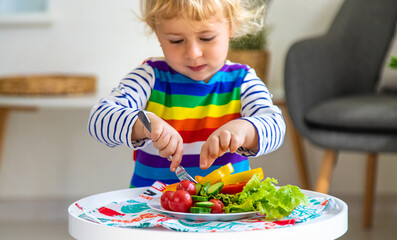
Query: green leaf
265, 198
393, 62
247, 206
250, 41
227, 198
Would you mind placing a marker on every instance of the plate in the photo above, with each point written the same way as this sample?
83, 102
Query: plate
156, 205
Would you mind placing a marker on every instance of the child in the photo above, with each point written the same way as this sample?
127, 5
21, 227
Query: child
204, 110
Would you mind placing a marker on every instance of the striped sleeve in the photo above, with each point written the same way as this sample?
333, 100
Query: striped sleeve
111, 120
257, 107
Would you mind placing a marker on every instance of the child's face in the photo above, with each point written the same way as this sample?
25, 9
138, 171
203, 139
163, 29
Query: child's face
197, 52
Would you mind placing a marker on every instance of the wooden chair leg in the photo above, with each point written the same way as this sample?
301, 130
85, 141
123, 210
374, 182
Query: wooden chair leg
370, 183
297, 145
299, 157
3, 121
326, 170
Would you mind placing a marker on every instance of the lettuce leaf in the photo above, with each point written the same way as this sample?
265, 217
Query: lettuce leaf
227, 198
247, 206
265, 198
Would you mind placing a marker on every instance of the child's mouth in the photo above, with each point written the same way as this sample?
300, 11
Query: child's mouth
197, 68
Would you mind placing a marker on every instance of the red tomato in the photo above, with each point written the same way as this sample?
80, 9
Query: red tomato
188, 186
218, 207
165, 199
233, 188
180, 201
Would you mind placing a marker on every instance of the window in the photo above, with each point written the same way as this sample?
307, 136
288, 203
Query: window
24, 12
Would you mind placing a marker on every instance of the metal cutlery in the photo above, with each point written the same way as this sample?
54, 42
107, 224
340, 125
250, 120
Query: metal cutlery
180, 171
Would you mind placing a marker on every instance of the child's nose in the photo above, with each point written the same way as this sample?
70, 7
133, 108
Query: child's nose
193, 50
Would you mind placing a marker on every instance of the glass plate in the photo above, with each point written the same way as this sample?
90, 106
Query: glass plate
155, 205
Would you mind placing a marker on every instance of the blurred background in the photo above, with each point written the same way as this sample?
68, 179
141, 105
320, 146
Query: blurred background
49, 160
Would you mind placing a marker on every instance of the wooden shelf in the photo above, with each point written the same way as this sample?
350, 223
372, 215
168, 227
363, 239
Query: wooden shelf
58, 102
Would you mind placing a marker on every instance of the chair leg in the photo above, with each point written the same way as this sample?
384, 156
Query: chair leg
297, 145
370, 183
326, 170
299, 157
3, 122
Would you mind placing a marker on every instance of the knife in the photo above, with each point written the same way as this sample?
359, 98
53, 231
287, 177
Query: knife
180, 171
145, 120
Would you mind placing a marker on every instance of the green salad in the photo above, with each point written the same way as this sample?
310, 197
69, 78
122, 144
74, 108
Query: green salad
264, 197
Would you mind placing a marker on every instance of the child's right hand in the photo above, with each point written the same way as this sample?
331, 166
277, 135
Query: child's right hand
166, 139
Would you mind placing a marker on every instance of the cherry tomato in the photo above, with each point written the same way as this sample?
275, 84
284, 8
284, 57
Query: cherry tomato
180, 201
165, 199
188, 186
218, 207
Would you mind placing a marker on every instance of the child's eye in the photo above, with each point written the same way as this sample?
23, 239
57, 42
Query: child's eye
176, 41
207, 39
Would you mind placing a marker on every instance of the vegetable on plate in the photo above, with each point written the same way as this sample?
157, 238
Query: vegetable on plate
233, 188
241, 176
244, 192
180, 201
266, 199
216, 175
188, 186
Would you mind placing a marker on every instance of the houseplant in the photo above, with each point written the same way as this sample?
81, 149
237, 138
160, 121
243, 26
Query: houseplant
393, 62
252, 48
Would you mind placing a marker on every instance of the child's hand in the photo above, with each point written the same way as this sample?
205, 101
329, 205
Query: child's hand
230, 137
166, 139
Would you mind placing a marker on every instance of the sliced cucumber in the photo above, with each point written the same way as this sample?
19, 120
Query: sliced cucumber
204, 204
198, 188
203, 191
215, 188
200, 210
196, 198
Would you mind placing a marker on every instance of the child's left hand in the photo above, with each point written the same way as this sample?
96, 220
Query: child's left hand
230, 137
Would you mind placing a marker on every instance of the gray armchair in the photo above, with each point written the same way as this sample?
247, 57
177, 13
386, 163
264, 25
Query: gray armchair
331, 94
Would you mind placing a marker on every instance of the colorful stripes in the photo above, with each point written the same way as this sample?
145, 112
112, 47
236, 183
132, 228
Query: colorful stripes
199, 89
191, 124
161, 65
158, 168
188, 160
189, 101
181, 113
194, 108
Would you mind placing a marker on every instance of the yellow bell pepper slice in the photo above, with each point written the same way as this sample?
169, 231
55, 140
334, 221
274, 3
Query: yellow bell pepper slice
217, 175
198, 178
241, 176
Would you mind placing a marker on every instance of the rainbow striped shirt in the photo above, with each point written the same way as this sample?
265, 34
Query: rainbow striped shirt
194, 108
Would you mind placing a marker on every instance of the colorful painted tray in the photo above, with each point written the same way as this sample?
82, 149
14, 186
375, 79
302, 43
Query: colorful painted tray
128, 218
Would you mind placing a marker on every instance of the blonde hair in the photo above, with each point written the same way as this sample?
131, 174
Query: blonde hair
244, 16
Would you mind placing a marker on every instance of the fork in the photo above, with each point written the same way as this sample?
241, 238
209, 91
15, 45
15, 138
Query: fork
180, 171
183, 175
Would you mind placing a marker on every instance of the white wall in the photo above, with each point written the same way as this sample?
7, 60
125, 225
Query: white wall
90, 36
49, 154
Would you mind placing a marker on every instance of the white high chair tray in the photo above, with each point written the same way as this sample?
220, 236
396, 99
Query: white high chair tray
331, 225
